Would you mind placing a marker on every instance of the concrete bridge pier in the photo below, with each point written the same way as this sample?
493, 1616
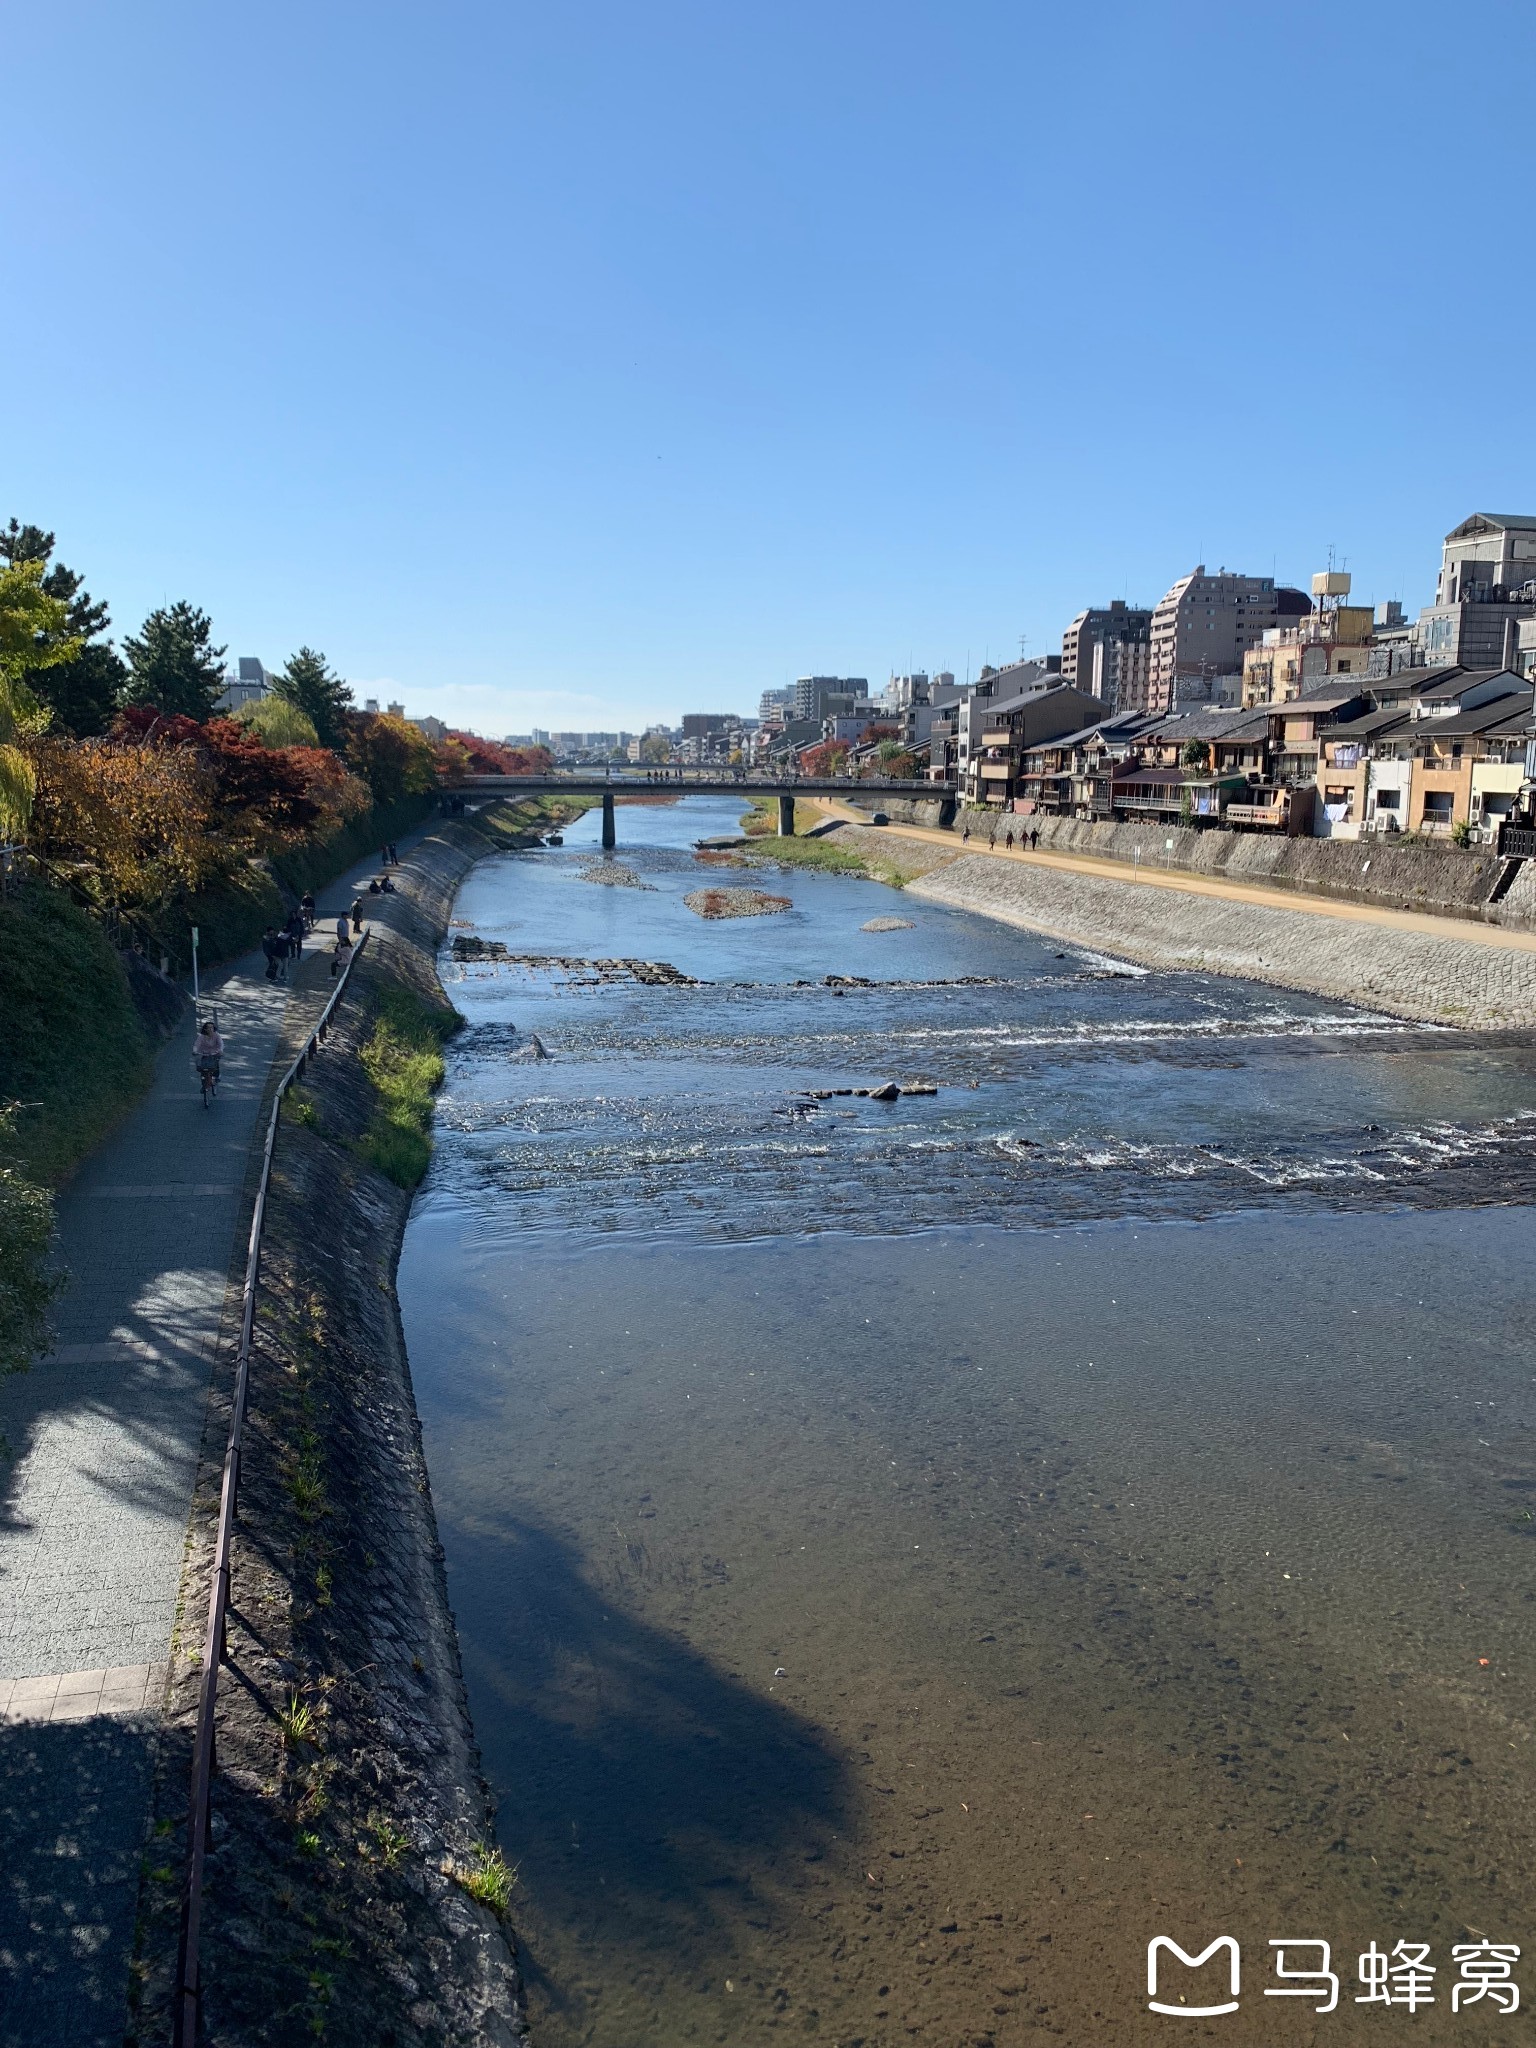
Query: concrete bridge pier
786, 817
610, 835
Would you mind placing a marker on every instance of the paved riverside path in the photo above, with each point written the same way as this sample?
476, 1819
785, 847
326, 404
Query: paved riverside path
106, 1433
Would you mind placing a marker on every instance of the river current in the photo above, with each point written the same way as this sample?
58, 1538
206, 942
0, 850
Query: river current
908, 1555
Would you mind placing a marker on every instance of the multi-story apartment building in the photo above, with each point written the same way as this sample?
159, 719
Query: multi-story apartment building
1333, 640
1107, 648
1206, 624
812, 691
1487, 585
1005, 727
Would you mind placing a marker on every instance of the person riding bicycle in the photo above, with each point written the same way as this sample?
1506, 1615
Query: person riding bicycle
207, 1049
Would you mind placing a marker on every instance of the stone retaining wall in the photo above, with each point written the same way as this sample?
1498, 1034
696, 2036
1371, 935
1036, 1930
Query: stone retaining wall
1445, 880
1469, 982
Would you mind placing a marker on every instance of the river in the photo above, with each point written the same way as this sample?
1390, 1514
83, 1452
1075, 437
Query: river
909, 1555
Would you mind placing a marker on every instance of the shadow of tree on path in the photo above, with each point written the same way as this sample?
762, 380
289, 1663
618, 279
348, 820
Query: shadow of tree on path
75, 1794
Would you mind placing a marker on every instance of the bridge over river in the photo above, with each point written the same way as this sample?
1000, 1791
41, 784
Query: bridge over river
700, 782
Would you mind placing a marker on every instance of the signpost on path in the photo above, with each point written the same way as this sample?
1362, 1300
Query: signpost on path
195, 997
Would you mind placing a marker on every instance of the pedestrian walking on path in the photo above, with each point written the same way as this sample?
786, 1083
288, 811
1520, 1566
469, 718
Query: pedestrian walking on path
276, 950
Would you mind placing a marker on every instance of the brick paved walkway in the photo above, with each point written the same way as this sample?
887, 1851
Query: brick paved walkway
93, 1514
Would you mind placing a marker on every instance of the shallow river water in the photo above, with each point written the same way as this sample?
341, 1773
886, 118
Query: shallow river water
910, 1555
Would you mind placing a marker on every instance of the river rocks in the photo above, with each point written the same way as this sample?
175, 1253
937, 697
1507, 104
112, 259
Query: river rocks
717, 903
589, 973
613, 874
887, 924
884, 1091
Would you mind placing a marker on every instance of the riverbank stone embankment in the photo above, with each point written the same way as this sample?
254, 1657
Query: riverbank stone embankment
346, 1890
1403, 972
1397, 874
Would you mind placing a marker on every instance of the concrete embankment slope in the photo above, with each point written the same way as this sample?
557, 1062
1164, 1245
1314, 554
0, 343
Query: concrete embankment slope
1435, 976
348, 1805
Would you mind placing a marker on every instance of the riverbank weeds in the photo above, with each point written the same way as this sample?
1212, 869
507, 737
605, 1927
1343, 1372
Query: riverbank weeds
403, 1058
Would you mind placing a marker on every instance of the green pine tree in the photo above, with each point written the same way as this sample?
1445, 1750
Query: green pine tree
82, 694
172, 664
308, 684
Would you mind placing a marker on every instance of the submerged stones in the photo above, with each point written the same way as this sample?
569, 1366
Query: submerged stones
716, 903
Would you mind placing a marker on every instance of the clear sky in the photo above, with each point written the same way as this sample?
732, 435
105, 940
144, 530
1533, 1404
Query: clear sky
581, 364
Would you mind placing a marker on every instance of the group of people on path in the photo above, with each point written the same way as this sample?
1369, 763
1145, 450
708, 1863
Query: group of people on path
285, 943
1028, 841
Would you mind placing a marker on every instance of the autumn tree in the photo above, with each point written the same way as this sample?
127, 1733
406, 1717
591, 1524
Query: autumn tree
173, 664
306, 682
392, 757
127, 827
81, 692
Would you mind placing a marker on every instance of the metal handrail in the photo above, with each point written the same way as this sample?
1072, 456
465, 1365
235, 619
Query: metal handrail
188, 1993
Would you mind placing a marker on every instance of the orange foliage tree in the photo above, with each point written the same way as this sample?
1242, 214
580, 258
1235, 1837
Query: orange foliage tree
129, 828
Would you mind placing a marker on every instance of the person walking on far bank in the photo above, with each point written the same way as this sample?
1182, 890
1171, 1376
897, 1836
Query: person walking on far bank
1034, 839
394, 858
357, 913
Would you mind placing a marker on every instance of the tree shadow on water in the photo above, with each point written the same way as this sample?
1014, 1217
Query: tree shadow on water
642, 1790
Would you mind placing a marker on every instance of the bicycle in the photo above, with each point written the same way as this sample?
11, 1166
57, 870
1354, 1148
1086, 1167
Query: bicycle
209, 1077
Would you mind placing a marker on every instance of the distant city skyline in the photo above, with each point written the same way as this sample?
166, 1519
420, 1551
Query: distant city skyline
789, 367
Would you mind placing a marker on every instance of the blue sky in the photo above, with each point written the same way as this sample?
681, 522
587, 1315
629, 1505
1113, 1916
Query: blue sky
580, 365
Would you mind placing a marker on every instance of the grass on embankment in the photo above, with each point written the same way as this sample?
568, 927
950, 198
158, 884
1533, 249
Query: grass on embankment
403, 1058
73, 1051
824, 855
